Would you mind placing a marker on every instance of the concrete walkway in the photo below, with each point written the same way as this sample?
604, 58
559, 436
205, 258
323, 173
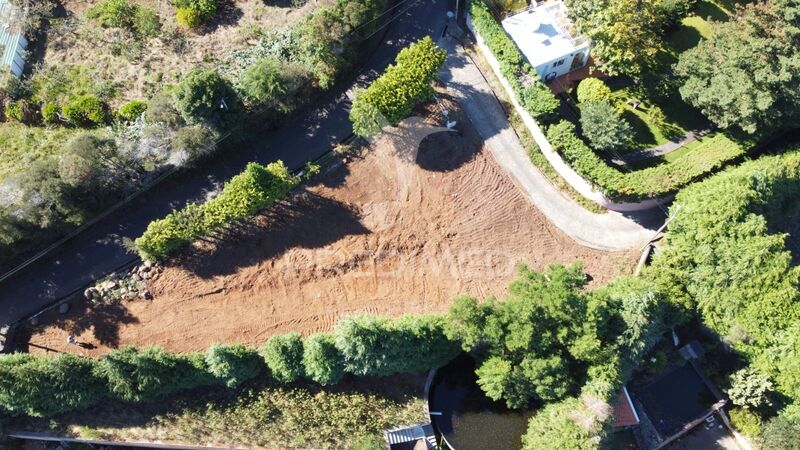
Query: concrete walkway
610, 231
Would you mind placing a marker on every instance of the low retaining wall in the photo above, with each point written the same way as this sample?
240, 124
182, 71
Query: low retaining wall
577, 182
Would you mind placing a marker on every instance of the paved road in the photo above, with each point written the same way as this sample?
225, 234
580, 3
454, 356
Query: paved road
99, 251
610, 231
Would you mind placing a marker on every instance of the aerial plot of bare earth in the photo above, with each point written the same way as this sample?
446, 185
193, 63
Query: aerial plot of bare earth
400, 224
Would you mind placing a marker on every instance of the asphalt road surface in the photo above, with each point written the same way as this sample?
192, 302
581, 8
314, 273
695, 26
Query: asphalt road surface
98, 250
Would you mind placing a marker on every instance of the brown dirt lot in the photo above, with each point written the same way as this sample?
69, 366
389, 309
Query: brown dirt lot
382, 234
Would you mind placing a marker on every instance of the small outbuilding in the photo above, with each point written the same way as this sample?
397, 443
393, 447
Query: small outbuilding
13, 44
548, 39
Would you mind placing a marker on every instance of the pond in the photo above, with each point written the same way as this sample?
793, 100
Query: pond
469, 420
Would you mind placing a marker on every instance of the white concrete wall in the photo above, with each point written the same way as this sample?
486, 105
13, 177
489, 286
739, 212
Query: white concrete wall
544, 69
584, 187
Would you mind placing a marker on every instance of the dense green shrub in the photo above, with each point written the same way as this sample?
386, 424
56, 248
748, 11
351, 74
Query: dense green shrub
256, 188
50, 112
391, 97
195, 140
323, 362
378, 346
15, 110
233, 364
531, 93
643, 183
746, 421
605, 129
749, 388
193, 13
593, 90
781, 433
135, 375
161, 109
85, 110
138, 19
556, 426
132, 110
43, 386
265, 82
284, 356
201, 94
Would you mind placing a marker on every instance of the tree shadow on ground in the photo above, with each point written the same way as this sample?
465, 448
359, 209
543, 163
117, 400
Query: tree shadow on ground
103, 319
308, 221
228, 14
642, 135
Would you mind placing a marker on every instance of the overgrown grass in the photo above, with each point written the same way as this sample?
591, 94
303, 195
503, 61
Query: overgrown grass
21, 145
303, 416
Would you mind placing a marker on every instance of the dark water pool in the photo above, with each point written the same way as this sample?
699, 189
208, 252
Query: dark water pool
470, 420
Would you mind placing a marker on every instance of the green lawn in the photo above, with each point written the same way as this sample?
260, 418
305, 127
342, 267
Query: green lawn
700, 155
697, 26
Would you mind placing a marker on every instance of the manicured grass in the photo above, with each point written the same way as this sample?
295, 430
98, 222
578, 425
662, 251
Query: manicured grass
697, 26
256, 415
698, 156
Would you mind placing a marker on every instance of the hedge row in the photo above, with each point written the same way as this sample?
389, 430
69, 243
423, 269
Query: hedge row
44, 386
256, 188
391, 97
541, 104
528, 87
645, 183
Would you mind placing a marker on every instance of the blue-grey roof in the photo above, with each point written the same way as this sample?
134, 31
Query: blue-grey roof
12, 43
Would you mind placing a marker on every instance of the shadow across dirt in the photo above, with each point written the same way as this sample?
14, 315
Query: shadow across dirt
104, 319
308, 220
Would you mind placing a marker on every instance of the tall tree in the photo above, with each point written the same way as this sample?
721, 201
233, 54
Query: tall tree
746, 75
625, 34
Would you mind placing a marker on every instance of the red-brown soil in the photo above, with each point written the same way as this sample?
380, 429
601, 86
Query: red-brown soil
381, 234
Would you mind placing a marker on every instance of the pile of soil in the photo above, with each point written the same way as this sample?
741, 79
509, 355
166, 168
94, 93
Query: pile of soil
385, 233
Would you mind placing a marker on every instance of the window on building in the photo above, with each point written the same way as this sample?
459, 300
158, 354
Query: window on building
558, 63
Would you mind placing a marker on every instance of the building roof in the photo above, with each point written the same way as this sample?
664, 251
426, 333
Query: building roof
543, 32
12, 42
625, 414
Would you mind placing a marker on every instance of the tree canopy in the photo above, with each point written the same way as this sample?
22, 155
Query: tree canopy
746, 74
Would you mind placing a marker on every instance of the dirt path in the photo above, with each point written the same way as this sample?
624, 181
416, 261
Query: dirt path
382, 234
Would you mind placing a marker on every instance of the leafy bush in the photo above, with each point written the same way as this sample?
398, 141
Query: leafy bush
377, 346
525, 82
593, 90
556, 426
643, 183
781, 433
265, 82
193, 13
672, 11
323, 362
749, 388
85, 110
196, 140
161, 109
123, 14
745, 421
257, 188
135, 375
42, 386
391, 97
50, 112
233, 364
200, 94
605, 129
132, 110
15, 110
284, 357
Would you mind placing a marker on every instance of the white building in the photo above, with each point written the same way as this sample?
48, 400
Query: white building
12, 43
547, 38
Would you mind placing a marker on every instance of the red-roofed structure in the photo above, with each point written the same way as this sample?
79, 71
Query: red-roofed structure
624, 412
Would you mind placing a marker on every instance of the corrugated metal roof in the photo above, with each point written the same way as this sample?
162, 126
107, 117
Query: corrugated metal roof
12, 42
